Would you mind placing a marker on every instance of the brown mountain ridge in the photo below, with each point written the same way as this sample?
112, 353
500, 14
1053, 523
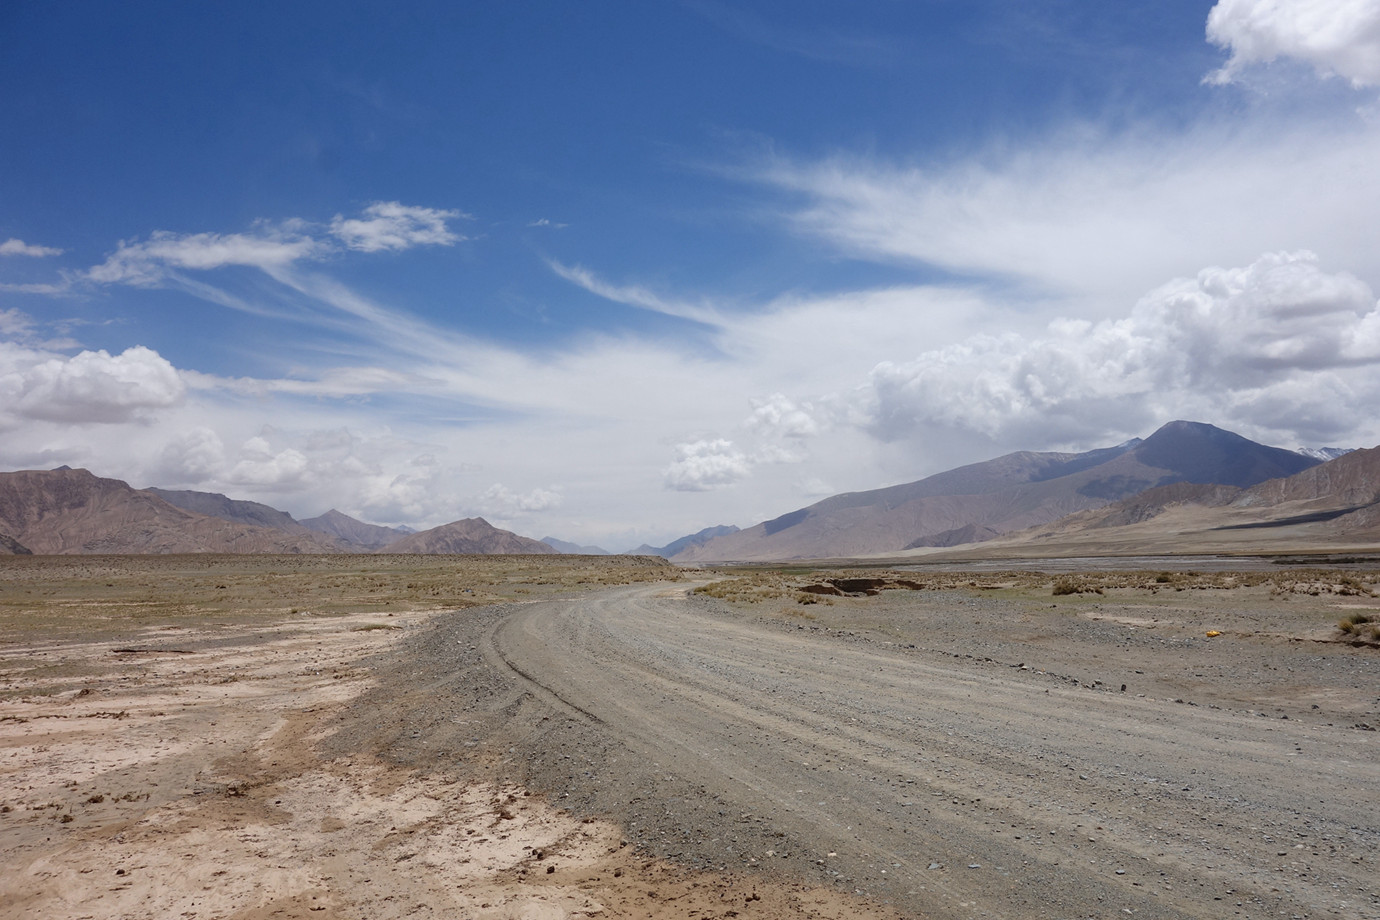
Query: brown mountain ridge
67, 511
1332, 506
472, 535
53, 512
1014, 492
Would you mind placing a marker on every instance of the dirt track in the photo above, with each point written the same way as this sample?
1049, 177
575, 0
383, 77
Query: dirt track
949, 784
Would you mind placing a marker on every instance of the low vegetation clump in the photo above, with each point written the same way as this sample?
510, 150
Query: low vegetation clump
1359, 626
1315, 583
1075, 585
1349, 624
748, 588
751, 584
1351, 587
827, 586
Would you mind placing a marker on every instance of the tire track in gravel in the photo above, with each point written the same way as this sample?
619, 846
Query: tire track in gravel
942, 787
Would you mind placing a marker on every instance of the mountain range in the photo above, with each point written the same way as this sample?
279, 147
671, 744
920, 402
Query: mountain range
74, 511
1187, 487
1333, 506
684, 545
574, 549
983, 501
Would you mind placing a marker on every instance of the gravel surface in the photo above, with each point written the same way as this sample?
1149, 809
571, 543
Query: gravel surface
953, 753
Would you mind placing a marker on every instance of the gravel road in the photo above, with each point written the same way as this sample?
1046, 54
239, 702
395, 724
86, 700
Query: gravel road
946, 785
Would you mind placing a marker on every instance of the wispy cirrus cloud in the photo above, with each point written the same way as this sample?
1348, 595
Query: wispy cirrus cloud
290, 253
833, 43
635, 295
274, 247
388, 226
15, 323
15, 247
149, 262
1082, 213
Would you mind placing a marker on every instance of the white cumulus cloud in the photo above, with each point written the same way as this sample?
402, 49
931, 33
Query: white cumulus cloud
262, 467
93, 386
502, 502
191, 457
780, 416
1335, 37
706, 464
1266, 347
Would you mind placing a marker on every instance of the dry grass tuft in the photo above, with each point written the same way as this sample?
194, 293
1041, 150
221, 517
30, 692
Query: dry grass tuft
1075, 584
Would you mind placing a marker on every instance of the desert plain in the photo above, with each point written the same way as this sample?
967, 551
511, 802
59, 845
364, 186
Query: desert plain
553, 737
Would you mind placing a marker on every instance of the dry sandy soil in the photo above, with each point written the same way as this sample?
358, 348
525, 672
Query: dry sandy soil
164, 729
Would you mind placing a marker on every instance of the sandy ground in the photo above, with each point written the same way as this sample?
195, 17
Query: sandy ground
175, 769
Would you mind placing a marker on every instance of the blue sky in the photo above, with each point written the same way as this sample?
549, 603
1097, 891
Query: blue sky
615, 272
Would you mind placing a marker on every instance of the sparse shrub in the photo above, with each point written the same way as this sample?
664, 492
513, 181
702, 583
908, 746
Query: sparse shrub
1067, 584
1349, 623
1351, 587
1163, 578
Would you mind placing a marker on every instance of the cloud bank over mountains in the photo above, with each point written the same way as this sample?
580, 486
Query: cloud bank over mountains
1278, 347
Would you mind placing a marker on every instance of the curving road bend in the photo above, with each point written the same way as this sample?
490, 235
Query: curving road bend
949, 789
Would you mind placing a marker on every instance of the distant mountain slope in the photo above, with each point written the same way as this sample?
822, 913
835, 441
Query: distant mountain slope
684, 543
1352, 479
230, 509
73, 511
574, 549
353, 532
1010, 493
1335, 504
468, 537
1325, 454
9, 546
1195, 452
